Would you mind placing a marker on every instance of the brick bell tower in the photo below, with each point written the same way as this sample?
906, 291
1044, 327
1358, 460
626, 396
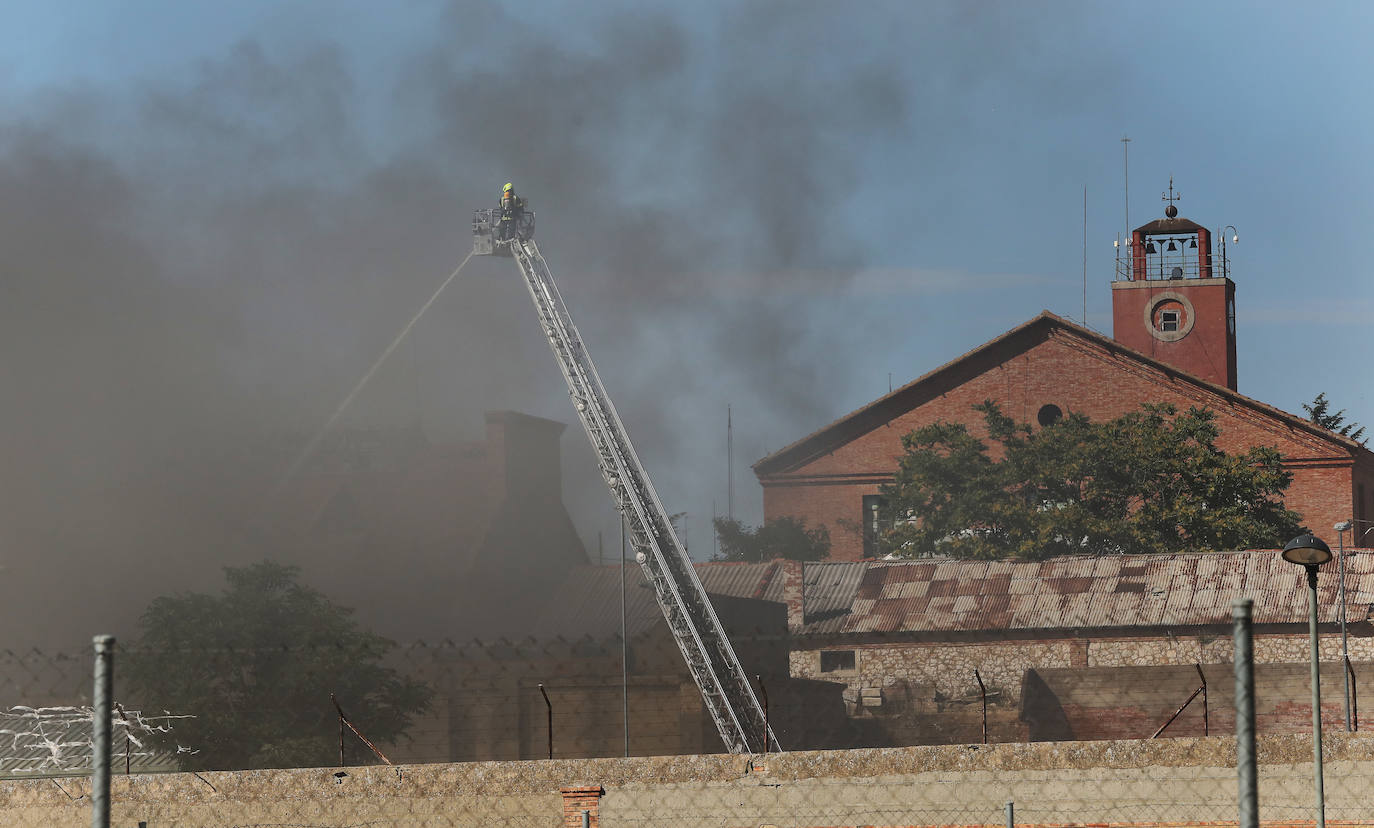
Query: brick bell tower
1171, 301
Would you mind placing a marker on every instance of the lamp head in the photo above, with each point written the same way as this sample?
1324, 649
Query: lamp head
1307, 550
1343, 526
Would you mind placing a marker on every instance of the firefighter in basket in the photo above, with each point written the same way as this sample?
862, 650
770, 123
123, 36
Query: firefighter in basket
512, 211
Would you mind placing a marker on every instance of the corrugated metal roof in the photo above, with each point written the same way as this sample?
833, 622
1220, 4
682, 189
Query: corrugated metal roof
1074, 593
830, 589
1087, 592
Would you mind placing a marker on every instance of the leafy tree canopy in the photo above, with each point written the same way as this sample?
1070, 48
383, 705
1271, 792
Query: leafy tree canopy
783, 537
255, 666
1149, 481
1319, 412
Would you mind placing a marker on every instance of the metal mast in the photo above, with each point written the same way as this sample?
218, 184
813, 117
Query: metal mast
710, 658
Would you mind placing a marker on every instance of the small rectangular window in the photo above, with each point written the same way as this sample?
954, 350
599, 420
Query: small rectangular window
1168, 321
836, 661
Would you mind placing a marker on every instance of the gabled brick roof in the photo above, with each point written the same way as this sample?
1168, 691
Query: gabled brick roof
1010, 344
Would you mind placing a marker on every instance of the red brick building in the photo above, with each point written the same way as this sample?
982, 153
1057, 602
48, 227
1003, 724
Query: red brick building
1173, 340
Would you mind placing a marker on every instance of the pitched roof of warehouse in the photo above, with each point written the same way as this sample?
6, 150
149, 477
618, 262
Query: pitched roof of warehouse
883, 410
1089, 592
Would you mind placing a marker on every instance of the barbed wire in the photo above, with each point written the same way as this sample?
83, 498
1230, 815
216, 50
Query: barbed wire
59, 739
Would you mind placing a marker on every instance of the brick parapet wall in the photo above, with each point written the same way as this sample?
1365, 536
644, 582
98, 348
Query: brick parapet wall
580, 799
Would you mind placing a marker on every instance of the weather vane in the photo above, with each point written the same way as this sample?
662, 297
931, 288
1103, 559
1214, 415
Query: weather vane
1171, 196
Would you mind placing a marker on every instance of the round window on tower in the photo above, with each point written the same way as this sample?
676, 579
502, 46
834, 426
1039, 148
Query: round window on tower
1048, 414
1169, 317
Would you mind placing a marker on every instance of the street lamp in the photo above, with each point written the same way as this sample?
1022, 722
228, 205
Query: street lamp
1341, 528
1235, 239
1311, 552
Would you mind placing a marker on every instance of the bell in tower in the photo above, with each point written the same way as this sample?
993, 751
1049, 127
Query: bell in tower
1171, 302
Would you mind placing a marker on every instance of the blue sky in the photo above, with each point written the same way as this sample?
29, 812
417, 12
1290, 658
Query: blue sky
872, 194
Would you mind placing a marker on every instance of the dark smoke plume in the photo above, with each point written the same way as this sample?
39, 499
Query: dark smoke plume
197, 269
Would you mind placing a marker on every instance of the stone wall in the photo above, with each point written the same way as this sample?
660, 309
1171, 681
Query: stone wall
947, 667
1125, 783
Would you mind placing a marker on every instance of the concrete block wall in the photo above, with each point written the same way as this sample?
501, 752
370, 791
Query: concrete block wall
1156, 783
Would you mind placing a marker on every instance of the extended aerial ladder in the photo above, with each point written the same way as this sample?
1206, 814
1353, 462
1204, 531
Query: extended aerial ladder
725, 688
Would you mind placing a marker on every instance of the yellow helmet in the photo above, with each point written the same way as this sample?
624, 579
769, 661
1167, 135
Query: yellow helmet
508, 187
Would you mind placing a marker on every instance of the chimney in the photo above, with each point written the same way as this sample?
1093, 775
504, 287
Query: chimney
523, 456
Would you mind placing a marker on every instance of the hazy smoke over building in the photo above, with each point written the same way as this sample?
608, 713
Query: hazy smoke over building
197, 268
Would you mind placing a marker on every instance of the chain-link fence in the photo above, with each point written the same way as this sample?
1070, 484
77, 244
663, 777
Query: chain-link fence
887, 730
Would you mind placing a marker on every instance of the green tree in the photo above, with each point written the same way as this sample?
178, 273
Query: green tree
1319, 412
256, 665
1149, 481
783, 537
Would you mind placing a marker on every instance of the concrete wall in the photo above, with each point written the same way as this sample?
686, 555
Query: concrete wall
1138, 782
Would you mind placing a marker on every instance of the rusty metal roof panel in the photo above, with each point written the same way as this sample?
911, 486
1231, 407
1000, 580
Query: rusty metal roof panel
912, 589
1074, 610
871, 580
1001, 567
949, 570
1100, 611
1097, 592
965, 606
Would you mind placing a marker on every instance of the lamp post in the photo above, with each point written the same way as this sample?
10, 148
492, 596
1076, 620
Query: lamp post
1311, 552
1235, 239
1341, 528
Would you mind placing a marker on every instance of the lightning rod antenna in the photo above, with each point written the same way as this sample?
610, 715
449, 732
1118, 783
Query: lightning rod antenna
1126, 167
729, 464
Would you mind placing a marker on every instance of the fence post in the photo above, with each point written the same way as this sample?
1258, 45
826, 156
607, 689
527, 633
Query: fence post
983, 694
1246, 771
763, 691
549, 705
100, 732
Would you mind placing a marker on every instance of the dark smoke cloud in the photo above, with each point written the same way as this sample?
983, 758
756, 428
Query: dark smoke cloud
197, 266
